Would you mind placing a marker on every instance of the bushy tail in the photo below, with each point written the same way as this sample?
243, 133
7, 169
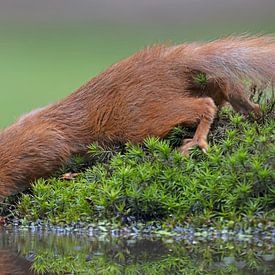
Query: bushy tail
233, 59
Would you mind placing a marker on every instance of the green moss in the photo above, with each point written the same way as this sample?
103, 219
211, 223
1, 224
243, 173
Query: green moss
201, 79
235, 179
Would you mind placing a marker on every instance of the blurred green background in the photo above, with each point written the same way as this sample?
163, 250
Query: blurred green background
49, 48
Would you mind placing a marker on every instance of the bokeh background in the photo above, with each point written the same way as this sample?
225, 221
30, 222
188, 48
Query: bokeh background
48, 48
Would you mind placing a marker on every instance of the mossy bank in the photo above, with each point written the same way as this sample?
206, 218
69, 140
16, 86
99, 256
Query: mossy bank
233, 182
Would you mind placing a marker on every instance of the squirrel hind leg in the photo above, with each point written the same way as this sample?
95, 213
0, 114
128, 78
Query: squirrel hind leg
240, 102
206, 113
187, 111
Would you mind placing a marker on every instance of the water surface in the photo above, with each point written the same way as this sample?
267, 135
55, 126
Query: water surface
29, 252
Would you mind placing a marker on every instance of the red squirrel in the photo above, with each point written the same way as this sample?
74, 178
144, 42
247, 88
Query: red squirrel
144, 95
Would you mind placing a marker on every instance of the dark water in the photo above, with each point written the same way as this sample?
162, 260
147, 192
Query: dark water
40, 252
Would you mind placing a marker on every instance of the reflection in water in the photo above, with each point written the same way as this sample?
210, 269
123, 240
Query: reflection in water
23, 251
11, 262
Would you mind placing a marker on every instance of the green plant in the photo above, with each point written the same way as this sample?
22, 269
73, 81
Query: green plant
154, 181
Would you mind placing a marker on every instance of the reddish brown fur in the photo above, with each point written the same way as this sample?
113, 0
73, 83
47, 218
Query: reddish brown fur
145, 95
13, 264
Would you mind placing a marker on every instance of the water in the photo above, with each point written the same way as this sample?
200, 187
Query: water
38, 251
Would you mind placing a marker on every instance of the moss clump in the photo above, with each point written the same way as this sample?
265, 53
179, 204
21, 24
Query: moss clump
201, 79
235, 179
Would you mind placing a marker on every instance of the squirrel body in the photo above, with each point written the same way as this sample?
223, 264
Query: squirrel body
144, 95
